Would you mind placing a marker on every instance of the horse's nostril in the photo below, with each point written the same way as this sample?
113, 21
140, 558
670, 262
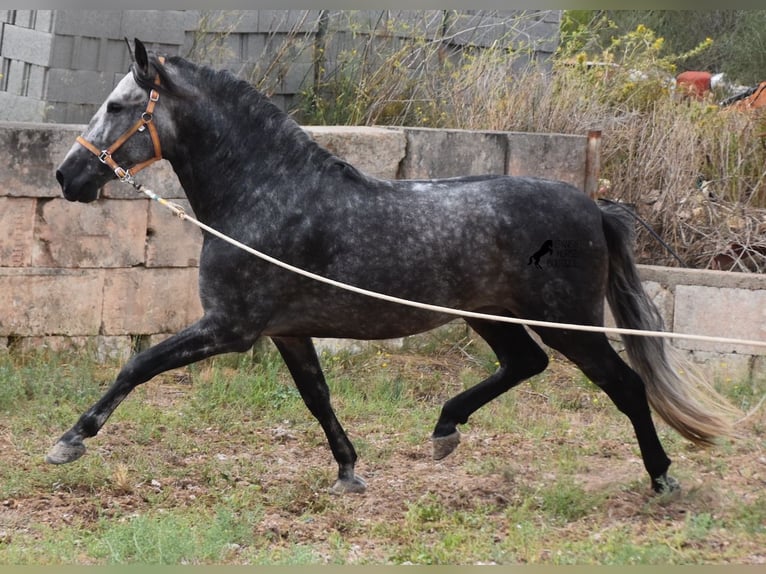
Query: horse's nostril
60, 178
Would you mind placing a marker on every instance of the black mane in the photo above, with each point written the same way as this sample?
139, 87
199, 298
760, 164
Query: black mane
252, 113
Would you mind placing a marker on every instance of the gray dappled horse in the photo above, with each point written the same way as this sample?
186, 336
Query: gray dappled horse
251, 172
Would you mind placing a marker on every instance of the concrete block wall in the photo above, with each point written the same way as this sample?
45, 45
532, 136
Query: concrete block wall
59, 65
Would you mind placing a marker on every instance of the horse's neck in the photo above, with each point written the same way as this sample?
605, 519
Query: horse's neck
221, 169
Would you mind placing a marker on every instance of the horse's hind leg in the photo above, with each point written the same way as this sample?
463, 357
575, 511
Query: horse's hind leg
593, 354
519, 357
301, 359
199, 341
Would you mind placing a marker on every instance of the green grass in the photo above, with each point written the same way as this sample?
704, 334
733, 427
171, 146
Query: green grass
221, 463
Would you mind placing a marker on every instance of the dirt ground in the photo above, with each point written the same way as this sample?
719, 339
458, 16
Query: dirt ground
398, 473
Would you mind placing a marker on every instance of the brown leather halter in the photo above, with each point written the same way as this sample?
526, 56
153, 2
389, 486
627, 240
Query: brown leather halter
144, 122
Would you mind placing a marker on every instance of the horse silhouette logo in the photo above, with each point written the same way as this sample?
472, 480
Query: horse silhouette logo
545, 249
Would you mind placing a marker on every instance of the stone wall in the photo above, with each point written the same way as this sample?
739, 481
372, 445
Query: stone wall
122, 271
716, 304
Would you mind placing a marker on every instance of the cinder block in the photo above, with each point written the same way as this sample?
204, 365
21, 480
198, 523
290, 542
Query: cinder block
435, 153
171, 242
117, 56
297, 76
44, 20
165, 26
105, 23
36, 83
87, 54
69, 113
146, 301
99, 234
17, 221
21, 109
480, 29
61, 53
287, 20
31, 46
37, 302
376, 151
14, 83
244, 21
731, 313
24, 18
78, 86
30, 154
553, 156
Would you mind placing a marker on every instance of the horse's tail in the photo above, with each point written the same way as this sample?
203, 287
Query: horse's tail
689, 405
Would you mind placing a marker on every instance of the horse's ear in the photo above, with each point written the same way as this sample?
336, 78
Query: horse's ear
130, 50
142, 58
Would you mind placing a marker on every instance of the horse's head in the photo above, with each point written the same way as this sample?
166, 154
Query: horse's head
123, 136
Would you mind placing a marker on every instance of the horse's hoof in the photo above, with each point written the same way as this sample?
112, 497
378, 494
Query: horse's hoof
353, 485
444, 445
63, 452
665, 484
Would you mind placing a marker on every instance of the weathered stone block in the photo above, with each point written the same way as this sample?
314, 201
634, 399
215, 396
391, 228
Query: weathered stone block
171, 242
145, 301
435, 153
103, 348
660, 296
31, 153
50, 302
99, 234
552, 156
376, 151
17, 222
721, 368
733, 313
159, 177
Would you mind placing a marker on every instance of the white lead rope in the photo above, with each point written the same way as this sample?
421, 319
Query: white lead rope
180, 212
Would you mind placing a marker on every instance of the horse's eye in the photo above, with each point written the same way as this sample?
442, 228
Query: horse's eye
113, 108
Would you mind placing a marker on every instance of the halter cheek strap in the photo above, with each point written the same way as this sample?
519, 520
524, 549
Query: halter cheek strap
143, 123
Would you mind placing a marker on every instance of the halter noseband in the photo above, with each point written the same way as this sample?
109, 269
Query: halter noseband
144, 122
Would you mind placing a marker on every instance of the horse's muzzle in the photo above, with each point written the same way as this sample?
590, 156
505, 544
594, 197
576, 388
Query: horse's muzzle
83, 192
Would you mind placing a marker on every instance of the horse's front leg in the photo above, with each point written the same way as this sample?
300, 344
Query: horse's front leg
199, 341
301, 359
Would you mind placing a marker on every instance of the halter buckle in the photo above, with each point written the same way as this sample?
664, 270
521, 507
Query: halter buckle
104, 156
123, 174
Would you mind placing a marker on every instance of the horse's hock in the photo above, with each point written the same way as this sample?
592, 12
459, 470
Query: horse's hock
123, 269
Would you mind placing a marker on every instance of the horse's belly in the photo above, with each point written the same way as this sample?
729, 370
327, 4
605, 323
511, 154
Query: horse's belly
361, 323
